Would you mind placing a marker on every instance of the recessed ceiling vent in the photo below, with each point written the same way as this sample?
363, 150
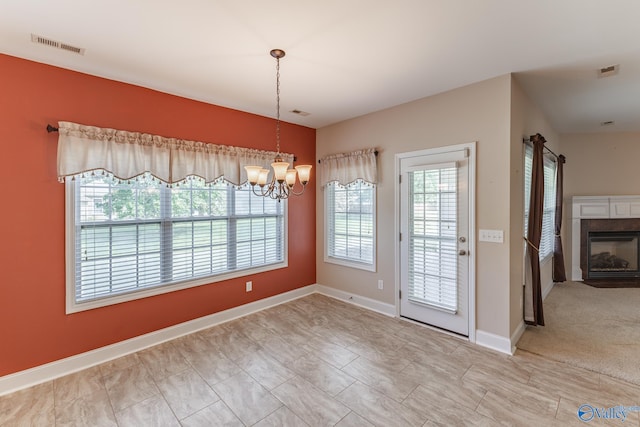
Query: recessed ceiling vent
609, 71
608, 123
300, 112
58, 45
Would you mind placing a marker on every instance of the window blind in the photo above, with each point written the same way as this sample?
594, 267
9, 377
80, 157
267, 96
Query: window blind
140, 234
350, 222
549, 204
433, 259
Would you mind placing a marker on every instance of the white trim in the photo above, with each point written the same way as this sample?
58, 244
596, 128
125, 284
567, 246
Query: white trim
76, 307
352, 264
576, 271
494, 342
345, 262
472, 241
517, 334
69, 365
546, 290
468, 150
546, 287
371, 304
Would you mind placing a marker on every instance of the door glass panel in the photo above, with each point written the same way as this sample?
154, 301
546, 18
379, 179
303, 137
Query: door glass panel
433, 257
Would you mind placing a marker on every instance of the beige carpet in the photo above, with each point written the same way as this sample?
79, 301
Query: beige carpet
594, 328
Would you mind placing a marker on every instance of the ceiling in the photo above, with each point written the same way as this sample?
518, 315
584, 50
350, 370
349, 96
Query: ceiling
346, 58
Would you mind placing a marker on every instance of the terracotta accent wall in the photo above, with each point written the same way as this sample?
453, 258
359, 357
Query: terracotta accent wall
34, 328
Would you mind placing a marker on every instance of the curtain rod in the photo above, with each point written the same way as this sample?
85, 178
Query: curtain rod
375, 153
560, 157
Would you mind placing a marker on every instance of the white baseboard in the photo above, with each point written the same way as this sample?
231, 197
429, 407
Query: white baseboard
493, 341
516, 336
371, 304
546, 289
50, 371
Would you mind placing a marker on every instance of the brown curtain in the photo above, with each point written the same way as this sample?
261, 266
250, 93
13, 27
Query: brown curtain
534, 232
559, 274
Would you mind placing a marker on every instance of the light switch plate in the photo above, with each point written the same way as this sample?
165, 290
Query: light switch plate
493, 236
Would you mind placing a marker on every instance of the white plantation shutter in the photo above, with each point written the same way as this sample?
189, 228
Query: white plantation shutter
140, 235
433, 259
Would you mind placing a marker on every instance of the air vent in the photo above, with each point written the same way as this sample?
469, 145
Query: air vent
58, 45
300, 112
608, 123
609, 71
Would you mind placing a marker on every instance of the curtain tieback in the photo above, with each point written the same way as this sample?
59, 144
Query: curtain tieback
531, 244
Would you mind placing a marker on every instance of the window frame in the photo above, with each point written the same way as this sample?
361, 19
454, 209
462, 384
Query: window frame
548, 212
343, 261
73, 306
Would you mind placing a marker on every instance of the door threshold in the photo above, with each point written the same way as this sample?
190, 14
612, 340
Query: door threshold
435, 328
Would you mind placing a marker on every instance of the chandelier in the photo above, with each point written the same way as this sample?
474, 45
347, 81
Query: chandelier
283, 181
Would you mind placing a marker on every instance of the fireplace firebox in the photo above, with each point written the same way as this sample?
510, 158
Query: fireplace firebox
610, 248
613, 254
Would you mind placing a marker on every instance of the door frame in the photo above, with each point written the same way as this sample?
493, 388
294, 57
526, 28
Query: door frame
471, 147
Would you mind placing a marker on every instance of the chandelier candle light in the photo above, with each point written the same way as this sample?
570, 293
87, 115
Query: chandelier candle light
284, 179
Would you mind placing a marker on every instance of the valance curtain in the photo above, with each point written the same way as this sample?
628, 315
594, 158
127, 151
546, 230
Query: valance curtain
127, 154
346, 168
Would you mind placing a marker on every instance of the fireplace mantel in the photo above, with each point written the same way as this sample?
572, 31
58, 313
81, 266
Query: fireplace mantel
594, 207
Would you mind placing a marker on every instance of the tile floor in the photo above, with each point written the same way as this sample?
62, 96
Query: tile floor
317, 361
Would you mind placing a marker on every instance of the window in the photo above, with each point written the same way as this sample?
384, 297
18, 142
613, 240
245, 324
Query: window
433, 236
350, 224
549, 209
132, 239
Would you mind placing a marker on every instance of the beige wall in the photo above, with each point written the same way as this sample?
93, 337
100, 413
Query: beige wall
479, 112
598, 164
526, 120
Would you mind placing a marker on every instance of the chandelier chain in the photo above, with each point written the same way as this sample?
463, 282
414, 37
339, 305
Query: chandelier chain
278, 105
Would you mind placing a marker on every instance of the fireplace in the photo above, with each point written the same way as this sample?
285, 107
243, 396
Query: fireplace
610, 248
605, 236
612, 254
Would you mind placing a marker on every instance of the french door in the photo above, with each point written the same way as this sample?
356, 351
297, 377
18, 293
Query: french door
434, 222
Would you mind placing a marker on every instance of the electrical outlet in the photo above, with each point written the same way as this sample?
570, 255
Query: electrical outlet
249, 286
380, 284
